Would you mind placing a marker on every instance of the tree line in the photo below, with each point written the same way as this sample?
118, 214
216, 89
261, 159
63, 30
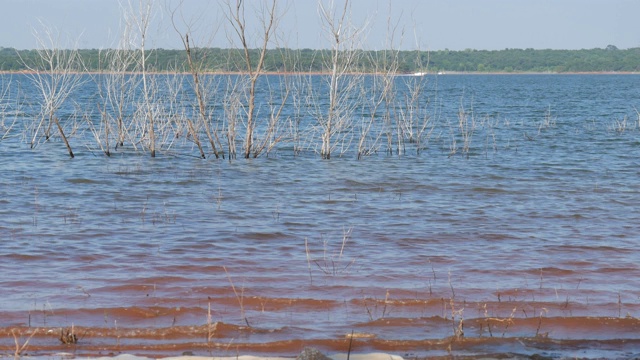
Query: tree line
609, 59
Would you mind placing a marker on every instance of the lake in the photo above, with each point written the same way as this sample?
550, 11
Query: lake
510, 227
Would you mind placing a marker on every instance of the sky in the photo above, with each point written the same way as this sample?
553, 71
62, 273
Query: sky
416, 24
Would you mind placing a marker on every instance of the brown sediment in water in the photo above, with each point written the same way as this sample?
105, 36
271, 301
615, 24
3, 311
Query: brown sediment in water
176, 341
410, 327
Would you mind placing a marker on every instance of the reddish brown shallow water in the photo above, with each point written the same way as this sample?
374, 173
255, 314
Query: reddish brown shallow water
481, 337
431, 322
403, 281
403, 267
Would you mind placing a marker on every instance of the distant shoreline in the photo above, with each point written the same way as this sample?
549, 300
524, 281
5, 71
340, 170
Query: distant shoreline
510, 61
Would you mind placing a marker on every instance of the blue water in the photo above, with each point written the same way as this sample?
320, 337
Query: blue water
540, 212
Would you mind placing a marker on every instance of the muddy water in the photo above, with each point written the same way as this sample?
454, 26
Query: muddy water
527, 246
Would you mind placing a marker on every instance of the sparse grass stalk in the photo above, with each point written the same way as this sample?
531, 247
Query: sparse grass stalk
548, 121
453, 293
346, 235
239, 297
542, 312
487, 320
386, 302
211, 327
21, 348
619, 305
306, 248
115, 325
467, 126
331, 264
350, 345
509, 320
457, 320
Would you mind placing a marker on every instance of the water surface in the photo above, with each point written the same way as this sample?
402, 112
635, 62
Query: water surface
529, 241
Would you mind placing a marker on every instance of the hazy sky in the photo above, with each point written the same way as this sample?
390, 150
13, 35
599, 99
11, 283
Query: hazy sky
429, 24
